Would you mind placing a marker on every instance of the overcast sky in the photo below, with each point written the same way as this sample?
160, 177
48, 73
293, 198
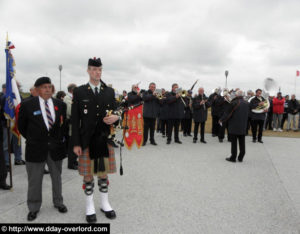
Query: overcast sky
155, 40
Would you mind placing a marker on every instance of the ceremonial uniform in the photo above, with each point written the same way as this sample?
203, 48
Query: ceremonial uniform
90, 105
187, 118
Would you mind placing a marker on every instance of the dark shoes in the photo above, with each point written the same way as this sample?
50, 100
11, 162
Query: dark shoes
32, 216
168, 142
260, 141
178, 142
214, 135
240, 159
4, 186
153, 143
189, 135
19, 162
91, 218
203, 141
194, 140
231, 160
254, 140
221, 140
109, 214
144, 143
61, 209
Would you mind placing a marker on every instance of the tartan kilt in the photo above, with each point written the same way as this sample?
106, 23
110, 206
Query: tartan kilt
86, 165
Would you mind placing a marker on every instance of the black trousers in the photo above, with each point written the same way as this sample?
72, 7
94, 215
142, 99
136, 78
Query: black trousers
254, 124
158, 125
164, 127
187, 126
202, 130
149, 124
269, 122
3, 171
241, 139
284, 118
72, 157
173, 123
215, 125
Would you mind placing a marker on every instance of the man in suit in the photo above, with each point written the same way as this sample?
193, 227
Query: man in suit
237, 117
175, 112
150, 113
90, 131
200, 105
42, 122
72, 157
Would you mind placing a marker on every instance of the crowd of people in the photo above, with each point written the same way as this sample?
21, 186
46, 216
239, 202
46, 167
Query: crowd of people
76, 125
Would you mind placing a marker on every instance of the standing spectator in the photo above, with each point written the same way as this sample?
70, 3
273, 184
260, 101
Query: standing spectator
285, 113
293, 108
60, 95
278, 109
269, 120
72, 157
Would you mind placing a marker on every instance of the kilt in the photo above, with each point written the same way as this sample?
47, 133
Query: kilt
86, 165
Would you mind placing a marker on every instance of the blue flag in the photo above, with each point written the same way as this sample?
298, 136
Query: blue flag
9, 107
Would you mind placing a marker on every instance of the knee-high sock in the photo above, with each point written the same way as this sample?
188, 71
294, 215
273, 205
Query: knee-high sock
103, 188
90, 207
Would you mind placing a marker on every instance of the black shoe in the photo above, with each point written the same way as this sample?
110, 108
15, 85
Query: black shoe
168, 142
203, 141
231, 160
184, 134
32, 216
153, 143
254, 140
62, 208
214, 135
109, 214
240, 159
74, 167
221, 140
91, 218
19, 162
4, 186
178, 141
194, 140
260, 141
163, 136
46, 171
189, 135
144, 143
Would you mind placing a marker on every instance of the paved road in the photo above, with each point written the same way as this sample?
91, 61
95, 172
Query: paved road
186, 188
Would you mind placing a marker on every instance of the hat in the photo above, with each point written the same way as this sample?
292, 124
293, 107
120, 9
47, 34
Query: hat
42, 80
95, 62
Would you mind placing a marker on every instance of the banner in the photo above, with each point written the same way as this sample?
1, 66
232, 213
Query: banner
133, 119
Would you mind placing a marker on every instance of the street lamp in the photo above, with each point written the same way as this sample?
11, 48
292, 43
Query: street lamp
60, 67
226, 74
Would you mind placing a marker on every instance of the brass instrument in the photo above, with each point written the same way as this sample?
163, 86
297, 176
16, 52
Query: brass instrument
158, 94
181, 94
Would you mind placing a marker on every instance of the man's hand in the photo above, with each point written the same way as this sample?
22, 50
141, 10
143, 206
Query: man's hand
77, 150
109, 120
261, 103
177, 95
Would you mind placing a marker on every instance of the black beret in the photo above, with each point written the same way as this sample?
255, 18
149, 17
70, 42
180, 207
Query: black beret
95, 62
42, 80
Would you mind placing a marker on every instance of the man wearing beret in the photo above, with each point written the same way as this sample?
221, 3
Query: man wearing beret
42, 123
90, 130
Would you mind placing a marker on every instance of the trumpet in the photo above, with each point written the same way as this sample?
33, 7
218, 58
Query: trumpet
158, 94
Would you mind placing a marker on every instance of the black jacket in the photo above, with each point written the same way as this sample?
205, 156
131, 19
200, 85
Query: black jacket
237, 116
151, 105
253, 104
293, 105
40, 141
216, 102
187, 109
88, 112
175, 107
199, 111
163, 111
133, 98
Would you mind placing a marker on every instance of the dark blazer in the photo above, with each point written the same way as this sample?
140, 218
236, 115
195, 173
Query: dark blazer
237, 116
293, 105
133, 98
253, 104
199, 112
40, 141
151, 105
88, 110
187, 109
163, 111
175, 106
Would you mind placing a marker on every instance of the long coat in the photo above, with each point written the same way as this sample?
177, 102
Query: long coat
163, 111
237, 116
200, 111
39, 140
151, 105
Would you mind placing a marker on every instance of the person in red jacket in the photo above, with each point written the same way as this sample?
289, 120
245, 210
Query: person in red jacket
278, 109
